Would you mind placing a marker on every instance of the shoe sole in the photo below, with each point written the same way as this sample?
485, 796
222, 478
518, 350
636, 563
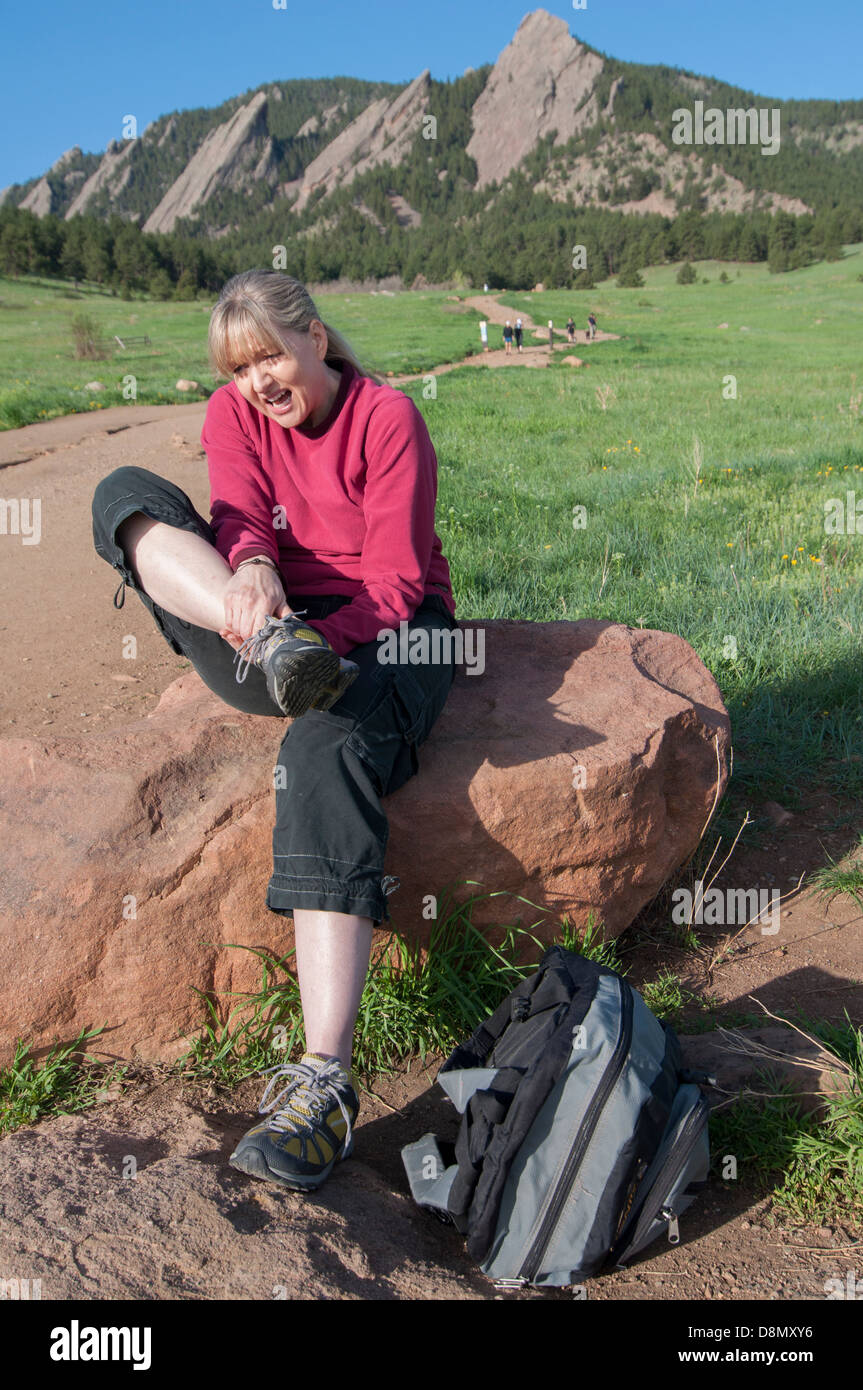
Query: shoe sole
252, 1162
296, 680
333, 693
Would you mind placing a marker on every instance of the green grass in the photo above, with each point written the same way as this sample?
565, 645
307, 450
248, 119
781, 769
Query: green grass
415, 1002
811, 1166
409, 332
68, 1080
834, 879
40, 377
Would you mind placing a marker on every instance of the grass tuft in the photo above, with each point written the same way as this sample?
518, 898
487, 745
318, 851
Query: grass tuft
66, 1081
811, 1166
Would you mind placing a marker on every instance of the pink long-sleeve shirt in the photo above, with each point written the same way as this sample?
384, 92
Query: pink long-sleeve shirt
345, 507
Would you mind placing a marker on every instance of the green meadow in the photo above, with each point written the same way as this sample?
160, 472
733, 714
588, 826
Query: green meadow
41, 378
705, 499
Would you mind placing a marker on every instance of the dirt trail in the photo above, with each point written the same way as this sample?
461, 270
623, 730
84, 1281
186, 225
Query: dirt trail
33, 441
490, 308
535, 354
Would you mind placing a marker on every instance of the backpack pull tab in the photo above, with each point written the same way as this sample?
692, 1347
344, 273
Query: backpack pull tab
519, 1009
673, 1228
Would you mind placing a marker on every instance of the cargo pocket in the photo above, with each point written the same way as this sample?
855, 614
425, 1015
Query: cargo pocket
387, 739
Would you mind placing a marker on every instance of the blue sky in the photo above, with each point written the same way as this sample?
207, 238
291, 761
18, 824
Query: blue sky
70, 72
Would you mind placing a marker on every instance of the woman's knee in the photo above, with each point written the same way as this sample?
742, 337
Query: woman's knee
130, 490
126, 481
117, 493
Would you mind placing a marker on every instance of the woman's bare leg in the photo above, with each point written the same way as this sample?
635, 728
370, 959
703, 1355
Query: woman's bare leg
180, 571
332, 962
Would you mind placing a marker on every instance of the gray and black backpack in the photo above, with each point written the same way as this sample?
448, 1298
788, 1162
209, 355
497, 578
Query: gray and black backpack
582, 1138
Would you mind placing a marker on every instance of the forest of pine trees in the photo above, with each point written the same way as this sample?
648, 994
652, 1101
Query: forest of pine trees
523, 239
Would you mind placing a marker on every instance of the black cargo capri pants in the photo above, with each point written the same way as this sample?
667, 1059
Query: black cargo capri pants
331, 832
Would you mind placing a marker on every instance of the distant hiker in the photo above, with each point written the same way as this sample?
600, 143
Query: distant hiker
591, 326
507, 337
570, 329
519, 333
551, 335
485, 288
483, 333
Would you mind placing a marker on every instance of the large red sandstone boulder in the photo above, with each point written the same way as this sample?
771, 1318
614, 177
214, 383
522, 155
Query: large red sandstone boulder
577, 771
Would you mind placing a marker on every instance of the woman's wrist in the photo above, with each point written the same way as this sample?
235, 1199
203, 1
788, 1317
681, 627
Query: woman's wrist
258, 560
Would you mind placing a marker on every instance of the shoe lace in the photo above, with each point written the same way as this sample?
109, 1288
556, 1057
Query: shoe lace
254, 647
312, 1091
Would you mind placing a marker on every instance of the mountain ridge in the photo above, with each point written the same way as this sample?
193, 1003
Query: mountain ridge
494, 176
547, 87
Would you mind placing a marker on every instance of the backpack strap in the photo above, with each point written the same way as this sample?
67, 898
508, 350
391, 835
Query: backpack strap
515, 1008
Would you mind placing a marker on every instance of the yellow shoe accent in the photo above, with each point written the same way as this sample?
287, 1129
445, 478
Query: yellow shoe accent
324, 1150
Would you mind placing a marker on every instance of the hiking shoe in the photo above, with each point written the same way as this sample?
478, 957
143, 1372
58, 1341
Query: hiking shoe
311, 1129
298, 662
331, 694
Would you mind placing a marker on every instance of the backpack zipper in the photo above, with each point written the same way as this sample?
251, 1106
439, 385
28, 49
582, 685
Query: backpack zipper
670, 1217
531, 1263
665, 1178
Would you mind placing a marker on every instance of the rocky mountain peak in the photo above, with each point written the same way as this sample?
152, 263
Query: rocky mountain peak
543, 80
237, 147
381, 134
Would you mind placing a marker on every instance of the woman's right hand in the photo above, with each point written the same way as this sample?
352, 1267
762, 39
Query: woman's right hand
254, 592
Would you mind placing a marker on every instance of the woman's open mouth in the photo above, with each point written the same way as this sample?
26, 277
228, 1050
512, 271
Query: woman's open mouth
280, 404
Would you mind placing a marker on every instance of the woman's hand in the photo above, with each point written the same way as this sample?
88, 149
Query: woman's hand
255, 592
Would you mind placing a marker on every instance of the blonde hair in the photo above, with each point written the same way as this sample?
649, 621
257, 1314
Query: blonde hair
253, 312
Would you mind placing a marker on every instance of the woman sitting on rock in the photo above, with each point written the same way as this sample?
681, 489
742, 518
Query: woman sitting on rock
323, 483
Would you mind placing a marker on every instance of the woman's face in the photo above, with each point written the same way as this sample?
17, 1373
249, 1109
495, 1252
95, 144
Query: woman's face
291, 387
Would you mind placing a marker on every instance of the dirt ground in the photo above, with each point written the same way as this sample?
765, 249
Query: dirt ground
63, 668
135, 1199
